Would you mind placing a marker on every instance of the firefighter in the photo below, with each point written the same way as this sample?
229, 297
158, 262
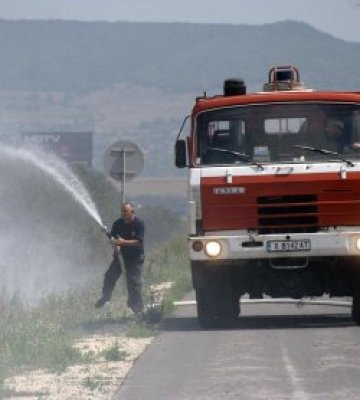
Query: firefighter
127, 235
340, 132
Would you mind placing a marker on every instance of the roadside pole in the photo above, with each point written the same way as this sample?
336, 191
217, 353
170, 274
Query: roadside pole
123, 161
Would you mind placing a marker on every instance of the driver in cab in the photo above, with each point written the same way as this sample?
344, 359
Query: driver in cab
341, 137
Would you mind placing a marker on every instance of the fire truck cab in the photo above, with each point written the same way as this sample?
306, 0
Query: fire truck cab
274, 195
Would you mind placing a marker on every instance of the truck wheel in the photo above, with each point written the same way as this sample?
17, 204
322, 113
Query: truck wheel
217, 306
355, 310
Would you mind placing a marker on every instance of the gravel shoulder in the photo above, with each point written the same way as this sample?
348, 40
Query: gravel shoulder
98, 379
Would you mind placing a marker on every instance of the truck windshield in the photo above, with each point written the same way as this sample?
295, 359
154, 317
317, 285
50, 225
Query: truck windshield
276, 133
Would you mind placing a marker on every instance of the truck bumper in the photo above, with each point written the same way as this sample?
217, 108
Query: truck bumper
246, 246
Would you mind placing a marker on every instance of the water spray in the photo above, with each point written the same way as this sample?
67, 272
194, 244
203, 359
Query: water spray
60, 172
40, 192
105, 229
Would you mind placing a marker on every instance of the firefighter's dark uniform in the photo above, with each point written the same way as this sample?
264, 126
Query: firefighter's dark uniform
133, 257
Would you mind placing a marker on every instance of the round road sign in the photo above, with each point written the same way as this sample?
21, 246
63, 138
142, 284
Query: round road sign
123, 160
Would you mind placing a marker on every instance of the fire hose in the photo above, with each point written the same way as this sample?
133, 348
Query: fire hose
299, 303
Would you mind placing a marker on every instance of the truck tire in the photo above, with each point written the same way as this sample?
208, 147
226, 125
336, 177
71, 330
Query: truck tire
217, 305
355, 310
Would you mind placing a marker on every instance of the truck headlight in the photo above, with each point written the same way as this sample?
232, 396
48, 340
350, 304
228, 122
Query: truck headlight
213, 249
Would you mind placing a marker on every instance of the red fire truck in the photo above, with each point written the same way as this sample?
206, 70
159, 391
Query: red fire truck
274, 195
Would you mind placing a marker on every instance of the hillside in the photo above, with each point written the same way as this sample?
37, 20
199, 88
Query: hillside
77, 56
137, 81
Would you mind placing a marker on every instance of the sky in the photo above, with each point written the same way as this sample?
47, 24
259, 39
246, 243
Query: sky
337, 17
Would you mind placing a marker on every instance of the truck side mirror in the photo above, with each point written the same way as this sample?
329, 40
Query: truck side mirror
180, 153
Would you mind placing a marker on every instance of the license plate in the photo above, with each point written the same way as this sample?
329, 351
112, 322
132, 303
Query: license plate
288, 245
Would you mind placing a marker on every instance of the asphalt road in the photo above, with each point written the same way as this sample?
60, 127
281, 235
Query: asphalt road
276, 352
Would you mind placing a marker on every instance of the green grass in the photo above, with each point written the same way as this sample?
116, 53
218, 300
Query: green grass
169, 263
94, 383
114, 353
43, 336
139, 330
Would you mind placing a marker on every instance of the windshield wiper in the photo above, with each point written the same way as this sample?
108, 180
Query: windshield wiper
325, 152
240, 156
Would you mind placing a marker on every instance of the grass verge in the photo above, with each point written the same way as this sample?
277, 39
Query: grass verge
42, 336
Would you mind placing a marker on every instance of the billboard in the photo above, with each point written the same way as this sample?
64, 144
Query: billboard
73, 147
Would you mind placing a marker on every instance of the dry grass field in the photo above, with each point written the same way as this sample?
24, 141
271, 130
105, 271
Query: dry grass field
148, 117
114, 110
167, 187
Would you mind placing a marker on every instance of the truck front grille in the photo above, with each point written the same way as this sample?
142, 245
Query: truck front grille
287, 213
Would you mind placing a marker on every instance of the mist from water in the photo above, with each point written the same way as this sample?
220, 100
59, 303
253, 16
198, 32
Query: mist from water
48, 240
57, 170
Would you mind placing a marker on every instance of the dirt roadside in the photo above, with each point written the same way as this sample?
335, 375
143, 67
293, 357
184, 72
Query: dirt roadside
98, 379
111, 354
